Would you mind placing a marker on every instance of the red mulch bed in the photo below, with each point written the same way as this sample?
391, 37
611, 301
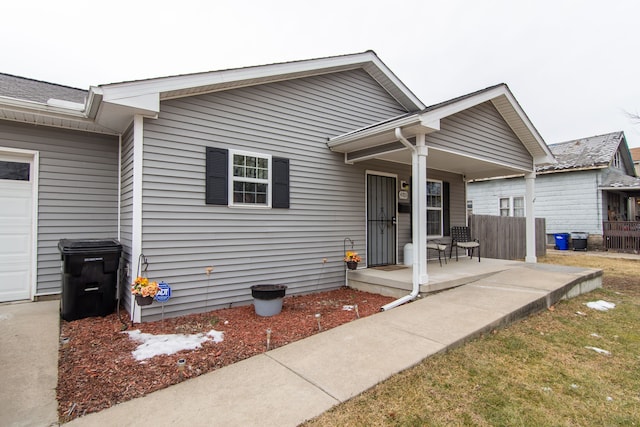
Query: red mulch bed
96, 369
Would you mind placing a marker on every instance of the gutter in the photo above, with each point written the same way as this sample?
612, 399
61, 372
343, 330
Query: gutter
50, 109
416, 273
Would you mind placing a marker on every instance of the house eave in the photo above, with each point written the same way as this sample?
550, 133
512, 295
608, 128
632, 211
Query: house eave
428, 120
581, 169
212, 81
54, 113
375, 135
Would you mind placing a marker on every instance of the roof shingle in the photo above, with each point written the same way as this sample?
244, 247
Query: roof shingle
593, 152
38, 91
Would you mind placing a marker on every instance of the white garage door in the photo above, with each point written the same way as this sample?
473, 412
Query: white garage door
16, 212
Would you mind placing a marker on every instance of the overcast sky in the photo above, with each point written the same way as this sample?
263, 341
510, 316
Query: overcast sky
573, 65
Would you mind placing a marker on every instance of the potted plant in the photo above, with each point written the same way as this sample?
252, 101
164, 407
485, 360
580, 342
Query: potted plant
352, 259
144, 290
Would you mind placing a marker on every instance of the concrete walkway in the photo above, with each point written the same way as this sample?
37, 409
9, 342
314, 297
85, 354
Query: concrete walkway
29, 363
291, 384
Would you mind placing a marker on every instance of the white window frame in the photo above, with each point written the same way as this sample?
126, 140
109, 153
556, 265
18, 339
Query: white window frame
431, 236
232, 179
511, 205
616, 160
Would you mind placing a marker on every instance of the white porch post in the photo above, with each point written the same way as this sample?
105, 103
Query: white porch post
530, 179
419, 210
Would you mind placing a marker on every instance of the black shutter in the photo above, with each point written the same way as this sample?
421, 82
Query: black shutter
446, 219
280, 177
216, 176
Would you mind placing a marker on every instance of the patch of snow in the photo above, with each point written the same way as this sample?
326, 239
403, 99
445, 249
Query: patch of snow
574, 386
216, 336
609, 399
595, 335
348, 307
599, 350
601, 305
7, 316
579, 313
155, 345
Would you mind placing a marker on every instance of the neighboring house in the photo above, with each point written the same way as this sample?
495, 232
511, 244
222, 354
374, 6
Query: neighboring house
635, 155
593, 181
261, 173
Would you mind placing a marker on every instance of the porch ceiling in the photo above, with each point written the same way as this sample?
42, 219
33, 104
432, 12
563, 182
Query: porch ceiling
469, 167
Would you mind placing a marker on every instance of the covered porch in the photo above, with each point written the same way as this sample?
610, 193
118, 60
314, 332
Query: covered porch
480, 135
397, 280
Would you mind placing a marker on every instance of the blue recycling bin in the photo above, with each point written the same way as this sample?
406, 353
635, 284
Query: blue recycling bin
562, 241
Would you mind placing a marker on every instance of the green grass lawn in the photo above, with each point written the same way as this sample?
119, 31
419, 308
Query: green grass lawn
541, 371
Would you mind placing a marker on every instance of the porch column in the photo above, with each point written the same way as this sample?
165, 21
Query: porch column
419, 210
530, 217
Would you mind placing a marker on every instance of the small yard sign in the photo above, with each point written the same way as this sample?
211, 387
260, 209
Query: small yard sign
164, 293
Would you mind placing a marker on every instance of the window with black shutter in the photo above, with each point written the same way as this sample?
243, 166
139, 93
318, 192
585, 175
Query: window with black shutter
256, 179
216, 176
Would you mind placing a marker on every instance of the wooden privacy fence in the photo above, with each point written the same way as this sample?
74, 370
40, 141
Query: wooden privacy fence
504, 237
621, 236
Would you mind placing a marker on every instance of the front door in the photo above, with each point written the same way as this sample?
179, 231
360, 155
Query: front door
16, 216
381, 220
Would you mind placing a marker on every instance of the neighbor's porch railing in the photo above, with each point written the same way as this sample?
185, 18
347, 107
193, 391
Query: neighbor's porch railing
621, 235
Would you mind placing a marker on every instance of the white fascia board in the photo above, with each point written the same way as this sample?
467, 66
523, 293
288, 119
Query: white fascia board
534, 132
256, 75
410, 121
357, 135
544, 160
502, 90
464, 104
93, 101
394, 80
22, 105
187, 81
75, 106
148, 104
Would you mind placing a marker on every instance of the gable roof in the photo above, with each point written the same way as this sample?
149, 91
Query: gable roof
119, 101
110, 108
595, 152
428, 119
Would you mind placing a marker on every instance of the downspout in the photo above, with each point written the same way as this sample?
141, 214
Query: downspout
416, 272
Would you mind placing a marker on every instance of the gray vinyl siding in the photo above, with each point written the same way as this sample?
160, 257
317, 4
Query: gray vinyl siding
77, 190
456, 191
569, 201
126, 209
293, 119
481, 132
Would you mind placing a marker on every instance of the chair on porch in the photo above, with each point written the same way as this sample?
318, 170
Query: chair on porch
434, 245
461, 238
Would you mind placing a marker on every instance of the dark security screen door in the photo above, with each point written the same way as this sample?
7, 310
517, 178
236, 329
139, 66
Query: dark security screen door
381, 220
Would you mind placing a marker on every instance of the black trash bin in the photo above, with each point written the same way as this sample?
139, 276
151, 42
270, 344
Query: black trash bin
579, 240
89, 277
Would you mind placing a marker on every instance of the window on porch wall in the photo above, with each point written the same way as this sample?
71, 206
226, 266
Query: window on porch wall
434, 208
